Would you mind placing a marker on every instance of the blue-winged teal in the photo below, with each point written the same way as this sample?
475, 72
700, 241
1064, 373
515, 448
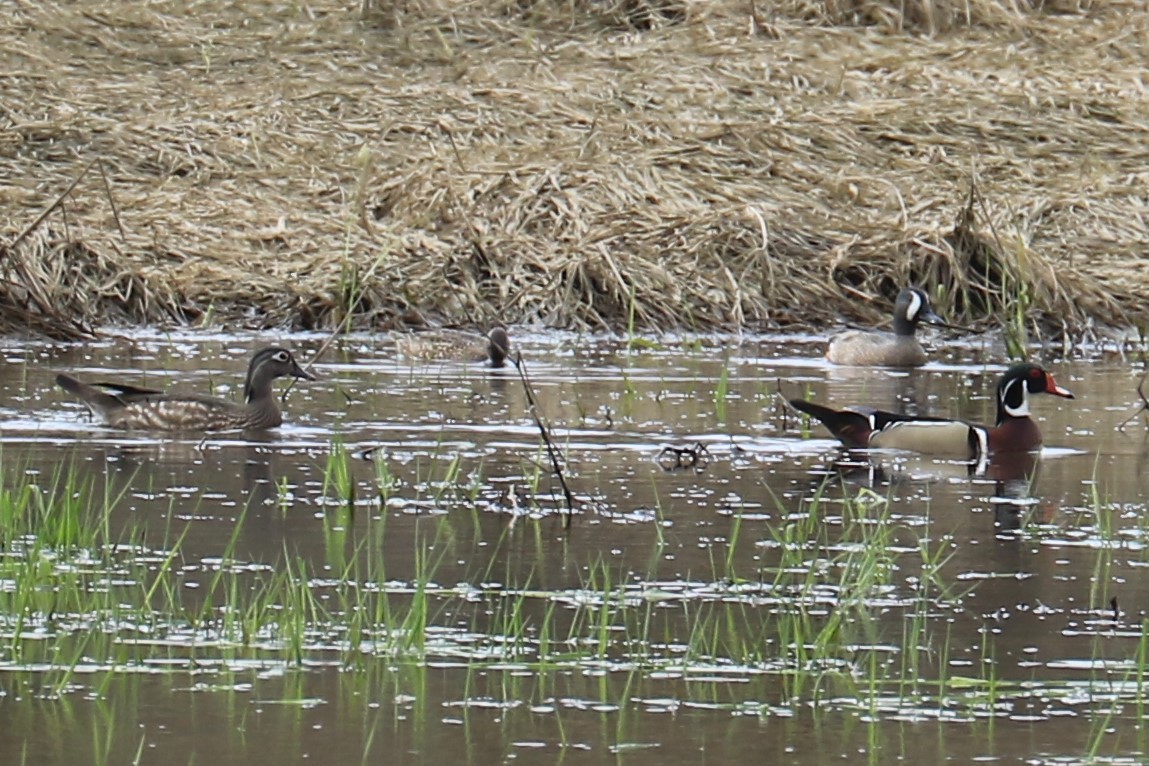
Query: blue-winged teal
129, 407
870, 348
1014, 431
456, 345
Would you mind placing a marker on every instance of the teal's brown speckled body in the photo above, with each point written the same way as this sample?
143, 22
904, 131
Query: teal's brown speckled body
129, 407
456, 345
901, 348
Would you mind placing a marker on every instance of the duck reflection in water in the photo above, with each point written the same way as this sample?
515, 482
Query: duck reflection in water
1012, 476
211, 468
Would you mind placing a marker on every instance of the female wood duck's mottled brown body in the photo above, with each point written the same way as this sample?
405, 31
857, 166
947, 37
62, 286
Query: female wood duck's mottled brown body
456, 345
129, 407
1014, 431
869, 348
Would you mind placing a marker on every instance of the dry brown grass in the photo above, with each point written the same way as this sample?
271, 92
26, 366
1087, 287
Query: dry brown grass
714, 164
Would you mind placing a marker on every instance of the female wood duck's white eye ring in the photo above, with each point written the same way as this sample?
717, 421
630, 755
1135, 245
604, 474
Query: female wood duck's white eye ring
280, 356
915, 305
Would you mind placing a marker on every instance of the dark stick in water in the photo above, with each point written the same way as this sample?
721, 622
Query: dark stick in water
534, 410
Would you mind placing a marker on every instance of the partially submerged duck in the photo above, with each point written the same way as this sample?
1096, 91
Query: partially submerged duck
129, 407
456, 345
901, 348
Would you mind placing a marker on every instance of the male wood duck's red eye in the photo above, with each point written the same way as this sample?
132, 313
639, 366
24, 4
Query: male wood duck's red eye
1035, 373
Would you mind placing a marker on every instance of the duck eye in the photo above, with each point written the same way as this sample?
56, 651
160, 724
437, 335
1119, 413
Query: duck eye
1035, 373
280, 356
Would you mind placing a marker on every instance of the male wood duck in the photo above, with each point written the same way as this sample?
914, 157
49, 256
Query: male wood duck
870, 348
456, 345
130, 407
1014, 431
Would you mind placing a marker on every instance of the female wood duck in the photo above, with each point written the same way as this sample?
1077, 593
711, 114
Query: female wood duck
1014, 431
129, 407
456, 345
870, 348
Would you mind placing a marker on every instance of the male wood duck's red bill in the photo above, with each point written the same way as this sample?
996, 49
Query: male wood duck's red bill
456, 345
870, 348
129, 407
1014, 431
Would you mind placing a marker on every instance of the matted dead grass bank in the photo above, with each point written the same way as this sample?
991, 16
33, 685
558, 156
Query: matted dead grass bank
706, 165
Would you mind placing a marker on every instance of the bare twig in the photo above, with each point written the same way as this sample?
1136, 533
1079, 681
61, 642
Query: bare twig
71, 327
1144, 403
112, 201
552, 452
51, 208
673, 458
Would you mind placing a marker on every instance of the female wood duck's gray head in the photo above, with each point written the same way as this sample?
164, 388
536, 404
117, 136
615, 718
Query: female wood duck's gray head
869, 348
129, 407
1014, 431
494, 348
266, 366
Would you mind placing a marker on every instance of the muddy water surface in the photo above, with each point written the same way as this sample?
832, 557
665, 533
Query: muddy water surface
387, 578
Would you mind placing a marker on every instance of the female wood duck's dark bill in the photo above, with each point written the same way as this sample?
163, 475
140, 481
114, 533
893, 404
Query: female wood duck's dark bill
1013, 431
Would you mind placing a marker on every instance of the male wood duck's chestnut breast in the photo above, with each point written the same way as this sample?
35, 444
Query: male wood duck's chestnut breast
456, 345
1013, 431
130, 407
901, 348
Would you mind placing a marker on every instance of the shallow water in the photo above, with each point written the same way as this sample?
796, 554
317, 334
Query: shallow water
703, 613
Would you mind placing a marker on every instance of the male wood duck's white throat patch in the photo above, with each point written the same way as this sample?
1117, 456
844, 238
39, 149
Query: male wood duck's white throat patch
1015, 399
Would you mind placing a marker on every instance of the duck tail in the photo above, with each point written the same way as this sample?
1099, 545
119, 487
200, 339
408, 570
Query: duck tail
851, 428
97, 400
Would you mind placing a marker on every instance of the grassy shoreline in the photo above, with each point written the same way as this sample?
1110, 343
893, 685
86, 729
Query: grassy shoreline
690, 166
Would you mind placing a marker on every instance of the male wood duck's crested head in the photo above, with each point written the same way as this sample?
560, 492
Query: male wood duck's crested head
1014, 431
494, 348
1015, 386
130, 407
871, 348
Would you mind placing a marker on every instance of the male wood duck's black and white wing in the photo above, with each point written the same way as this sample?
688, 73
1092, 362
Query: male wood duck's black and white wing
125, 406
1014, 430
